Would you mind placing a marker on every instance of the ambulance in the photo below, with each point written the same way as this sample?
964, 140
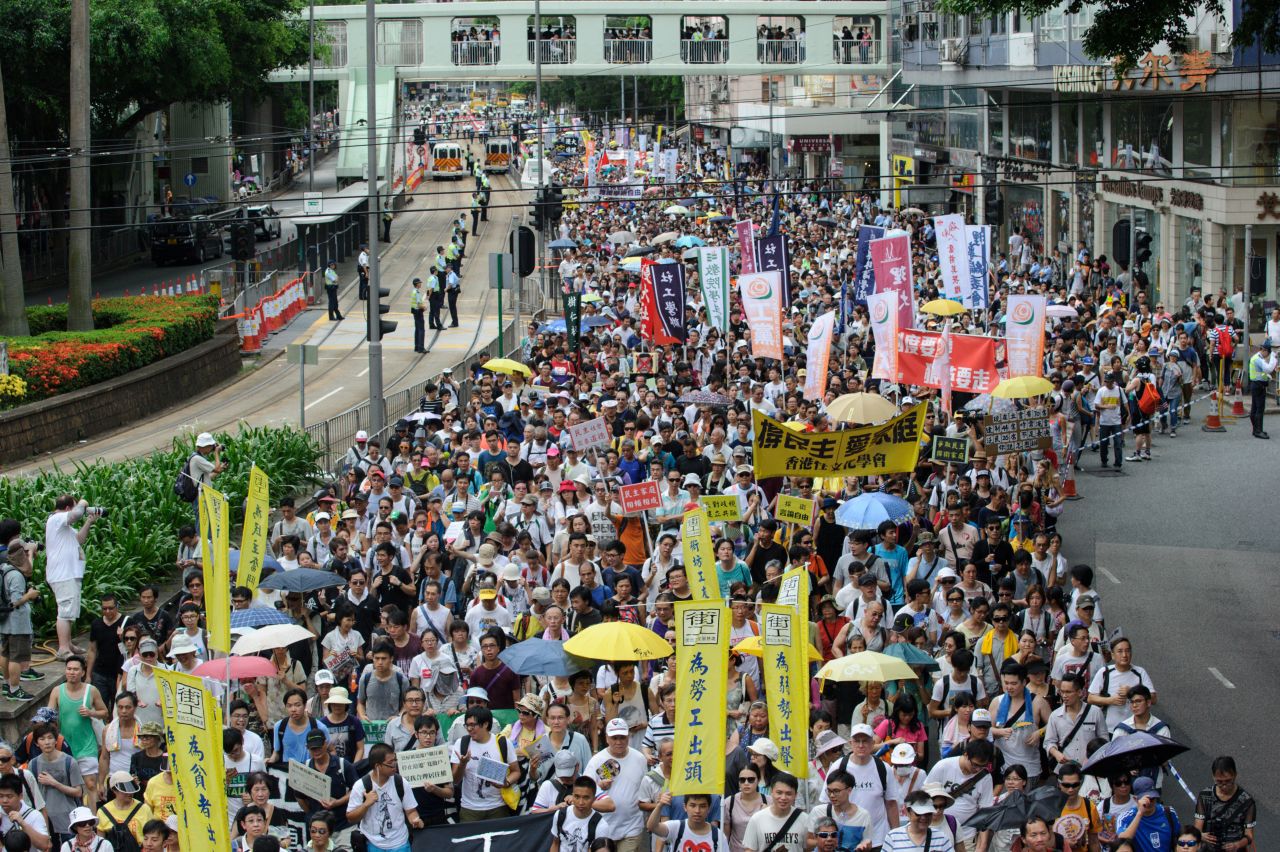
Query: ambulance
497, 155
447, 161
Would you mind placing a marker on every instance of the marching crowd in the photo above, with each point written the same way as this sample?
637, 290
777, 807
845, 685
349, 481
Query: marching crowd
477, 526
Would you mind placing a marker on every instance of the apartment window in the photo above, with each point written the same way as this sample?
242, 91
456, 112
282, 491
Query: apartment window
975, 26
1053, 26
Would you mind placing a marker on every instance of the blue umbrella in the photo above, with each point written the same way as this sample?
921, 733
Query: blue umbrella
302, 580
268, 561
913, 656
689, 241
258, 616
562, 244
556, 326
867, 511
542, 657
596, 321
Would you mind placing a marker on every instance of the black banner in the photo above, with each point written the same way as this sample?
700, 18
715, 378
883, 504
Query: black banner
669, 292
573, 320
529, 833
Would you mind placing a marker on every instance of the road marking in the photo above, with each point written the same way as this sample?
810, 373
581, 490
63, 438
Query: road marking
1228, 684
323, 398
1112, 577
363, 372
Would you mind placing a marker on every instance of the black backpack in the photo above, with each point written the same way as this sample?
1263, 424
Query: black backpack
6, 605
593, 822
185, 486
119, 835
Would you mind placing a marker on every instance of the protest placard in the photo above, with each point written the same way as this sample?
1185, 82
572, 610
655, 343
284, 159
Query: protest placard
423, 766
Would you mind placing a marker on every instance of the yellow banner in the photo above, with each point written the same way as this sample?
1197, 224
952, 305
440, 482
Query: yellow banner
253, 538
193, 729
202, 505
699, 558
793, 590
702, 656
795, 510
217, 570
891, 447
658, 140
721, 508
784, 638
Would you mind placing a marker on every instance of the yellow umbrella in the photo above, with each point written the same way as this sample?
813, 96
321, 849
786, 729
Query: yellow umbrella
861, 408
618, 640
751, 645
506, 365
1021, 387
866, 665
794, 425
943, 307
590, 297
630, 262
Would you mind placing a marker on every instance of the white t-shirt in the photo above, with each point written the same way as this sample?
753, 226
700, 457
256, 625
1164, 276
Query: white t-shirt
853, 827
64, 558
709, 841
1108, 396
478, 795
869, 795
573, 831
1136, 675
947, 773
627, 820
762, 832
31, 817
480, 619
385, 823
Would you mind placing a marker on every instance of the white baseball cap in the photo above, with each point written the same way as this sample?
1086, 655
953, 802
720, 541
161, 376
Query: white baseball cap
362, 436
903, 755
617, 728
861, 731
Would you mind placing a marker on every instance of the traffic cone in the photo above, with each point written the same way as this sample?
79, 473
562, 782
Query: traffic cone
1237, 402
1212, 422
1069, 484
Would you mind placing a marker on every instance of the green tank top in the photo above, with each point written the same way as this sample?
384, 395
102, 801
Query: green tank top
76, 729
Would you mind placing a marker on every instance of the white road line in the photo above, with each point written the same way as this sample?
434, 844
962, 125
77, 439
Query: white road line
1112, 577
1228, 684
323, 398
363, 372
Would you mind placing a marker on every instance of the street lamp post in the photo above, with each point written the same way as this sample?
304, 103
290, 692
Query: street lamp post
377, 410
311, 96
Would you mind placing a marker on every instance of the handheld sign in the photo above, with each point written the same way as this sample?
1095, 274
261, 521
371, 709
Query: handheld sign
721, 507
423, 766
795, 510
640, 497
951, 450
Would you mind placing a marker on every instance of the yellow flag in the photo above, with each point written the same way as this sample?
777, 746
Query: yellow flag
253, 538
784, 640
193, 730
217, 570
658, 138
702, 656
699, 558
890, 447
793, 590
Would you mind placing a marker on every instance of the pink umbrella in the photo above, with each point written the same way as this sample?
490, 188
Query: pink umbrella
242, 668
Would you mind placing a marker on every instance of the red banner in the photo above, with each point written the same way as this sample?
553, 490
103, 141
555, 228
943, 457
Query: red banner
640, 497
921, 360
651, 326
891, 259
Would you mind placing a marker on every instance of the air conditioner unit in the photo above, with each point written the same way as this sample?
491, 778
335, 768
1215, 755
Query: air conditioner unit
1220, 41
927, 18
908, 20
1187, 44
950, 50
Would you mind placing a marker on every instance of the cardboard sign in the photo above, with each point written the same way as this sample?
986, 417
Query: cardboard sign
721, 508
951, 450
640, 497
795, 510
493, 771
454, 531
423, 766
309, 782
593, 433
1017, 431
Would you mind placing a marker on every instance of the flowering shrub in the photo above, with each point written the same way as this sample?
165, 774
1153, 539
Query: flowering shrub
13, 390
128, 333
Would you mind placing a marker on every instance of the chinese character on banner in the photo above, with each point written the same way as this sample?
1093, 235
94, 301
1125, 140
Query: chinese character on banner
193, 722
784, 640
702, 659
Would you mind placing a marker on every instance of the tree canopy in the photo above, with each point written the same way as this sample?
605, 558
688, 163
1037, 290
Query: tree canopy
1128, 29
596, 95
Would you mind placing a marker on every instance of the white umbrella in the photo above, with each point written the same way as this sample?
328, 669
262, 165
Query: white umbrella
676, 210
1062, 311
665, 238
269, 638
621, 237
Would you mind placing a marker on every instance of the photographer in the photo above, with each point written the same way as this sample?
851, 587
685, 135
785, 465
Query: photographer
16, 630
64, 562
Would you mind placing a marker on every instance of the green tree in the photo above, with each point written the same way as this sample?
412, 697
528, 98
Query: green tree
1127, 29
660, 97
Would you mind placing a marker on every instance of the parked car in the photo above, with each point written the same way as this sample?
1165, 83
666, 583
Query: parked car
266, 221
192, 239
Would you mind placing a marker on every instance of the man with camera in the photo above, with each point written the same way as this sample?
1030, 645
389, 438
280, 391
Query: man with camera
64, 562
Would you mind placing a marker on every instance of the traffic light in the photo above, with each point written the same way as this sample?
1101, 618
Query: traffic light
386, 326
991, 201
1142, 243
555, 202
1120, 242
243, 241
539, 210
419, 137
524, 249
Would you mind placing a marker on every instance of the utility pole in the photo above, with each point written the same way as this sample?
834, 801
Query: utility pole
311, 97
13, 310
377, 409
80, 220
542, 172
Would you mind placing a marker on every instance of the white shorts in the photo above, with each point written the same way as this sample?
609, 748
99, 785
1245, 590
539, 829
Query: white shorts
67, 594
88, 766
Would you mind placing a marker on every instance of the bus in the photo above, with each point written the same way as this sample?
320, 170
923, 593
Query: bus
497, 155
447, 161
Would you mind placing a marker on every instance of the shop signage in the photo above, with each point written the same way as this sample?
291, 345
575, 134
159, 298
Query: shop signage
1077, 79
1153, 194
1270, 204
1186, 198
1154, 72
1017, 171
811, 144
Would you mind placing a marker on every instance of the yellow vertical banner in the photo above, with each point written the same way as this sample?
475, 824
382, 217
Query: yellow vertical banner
702, 656
793, 591
193, 730
699, 558
253, 538
784, 638
202, 514
217, 570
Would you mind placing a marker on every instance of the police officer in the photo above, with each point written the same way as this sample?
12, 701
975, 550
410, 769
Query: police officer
331, 290
417, 307
435, 293
484, 201
477, 172
362, 269
1261, 367
452, 287
387, 216
475, 213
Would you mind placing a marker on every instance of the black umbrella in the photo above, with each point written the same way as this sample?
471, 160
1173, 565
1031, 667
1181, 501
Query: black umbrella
636, 251
1138, 750
716, 220
827, 221
1016, 808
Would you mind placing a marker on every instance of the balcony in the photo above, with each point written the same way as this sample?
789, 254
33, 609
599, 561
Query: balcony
704, 52
476, 52
555, 52
628, 51
852, 51
779, 51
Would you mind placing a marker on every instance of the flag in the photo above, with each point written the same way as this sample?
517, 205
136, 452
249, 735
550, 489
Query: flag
699, 558
702, 658
1024, 331
658, 137
864, 272
217, 569
253, 536
193, 733
884, 330
952, 261
971, 363
669, 297
892, 258
944, 367
648, 309
528, 833
784, 640
776, 221
746, 247
977, 240
713, 278
771, 256
818, 358
762, 307
573, 320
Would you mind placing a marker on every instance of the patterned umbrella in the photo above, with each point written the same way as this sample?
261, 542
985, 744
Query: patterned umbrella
704, 397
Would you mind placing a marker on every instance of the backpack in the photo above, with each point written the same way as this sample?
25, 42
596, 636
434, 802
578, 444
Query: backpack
402, 680
1148, 398
277, 735
185, 486
6, 605
510, 794
1106, 680
593, 823
119, 835
881, 770
946, 689
675, 843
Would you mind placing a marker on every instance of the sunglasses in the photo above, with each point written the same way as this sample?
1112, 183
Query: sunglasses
1069, 785
827, 835
746, 779
1188, 844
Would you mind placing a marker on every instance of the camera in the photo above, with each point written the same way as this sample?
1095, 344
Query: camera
100, 511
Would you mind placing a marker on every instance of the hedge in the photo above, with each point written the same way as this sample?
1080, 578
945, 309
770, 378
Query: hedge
137, 542
128, 333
